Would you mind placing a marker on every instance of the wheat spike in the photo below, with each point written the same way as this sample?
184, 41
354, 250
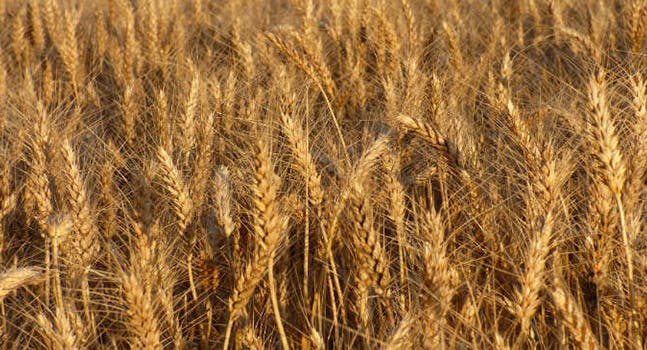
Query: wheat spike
177, 190
299, 145
268, 227
85, 242
15, 278
141, 316
573, 317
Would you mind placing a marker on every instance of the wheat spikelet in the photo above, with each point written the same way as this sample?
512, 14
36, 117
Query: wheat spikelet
397, 213
198, 9
85, 245
602, 131
150, 26
582, 44
373, 266
244, 51
7, 202
544, 190
637, 24
210, 275
7, 205
312, 64
438, 278
387, 55
313, 49
163, 122
354, 179
3, 83
267, 224
411, 25
49, 85
538, 252
532, 279
316, 340
132, 50
518, 125
101, 34
457, 60
609, 177
638, 162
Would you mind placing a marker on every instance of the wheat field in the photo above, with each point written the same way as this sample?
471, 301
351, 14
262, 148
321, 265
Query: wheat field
338, 174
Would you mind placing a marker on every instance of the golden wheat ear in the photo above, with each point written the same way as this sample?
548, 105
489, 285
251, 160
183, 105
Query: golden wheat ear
175, 186
15, 278
143, 323
268, 229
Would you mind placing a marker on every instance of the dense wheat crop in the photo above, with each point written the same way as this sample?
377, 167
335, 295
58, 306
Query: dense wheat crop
369, 174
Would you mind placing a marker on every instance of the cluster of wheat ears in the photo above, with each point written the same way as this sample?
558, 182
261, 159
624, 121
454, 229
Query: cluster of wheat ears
336, 174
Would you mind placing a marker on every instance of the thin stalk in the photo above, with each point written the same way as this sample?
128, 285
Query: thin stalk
275, 304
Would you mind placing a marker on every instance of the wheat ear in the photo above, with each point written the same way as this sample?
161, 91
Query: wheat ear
18, 277
40, 190
402, 336
60, 334
298, 141
268, 227
175, 186
573, 317
141, 316
609, 165
85, 241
